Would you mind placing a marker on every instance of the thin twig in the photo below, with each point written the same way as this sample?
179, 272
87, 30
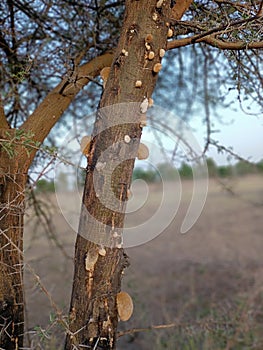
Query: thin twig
206, 325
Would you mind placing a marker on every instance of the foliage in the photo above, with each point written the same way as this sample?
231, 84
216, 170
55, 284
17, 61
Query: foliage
146, 175
243, 168
167, 172
43, 47
45, 186
212, 167
42, 42
18, 138
259, 166
186, 171
225, 171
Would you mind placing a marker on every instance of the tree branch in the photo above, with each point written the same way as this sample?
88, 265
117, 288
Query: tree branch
209, 37
228, 45
180, 8
213, 41
46, 115
202, 325
5, 47
240, 7
260, 9
227, 26
3, 122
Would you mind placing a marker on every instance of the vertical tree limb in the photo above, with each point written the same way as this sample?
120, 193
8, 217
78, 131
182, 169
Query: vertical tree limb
180, 8
132, 78
3, 122
46, 115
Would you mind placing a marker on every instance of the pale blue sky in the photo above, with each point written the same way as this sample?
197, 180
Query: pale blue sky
241, 131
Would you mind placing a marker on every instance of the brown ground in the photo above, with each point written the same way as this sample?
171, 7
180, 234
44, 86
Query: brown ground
208, 281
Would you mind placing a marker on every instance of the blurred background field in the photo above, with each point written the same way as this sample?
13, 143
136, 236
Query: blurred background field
206, 284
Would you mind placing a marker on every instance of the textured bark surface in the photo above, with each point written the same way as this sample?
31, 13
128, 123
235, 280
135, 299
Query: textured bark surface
93, 313
13, 176
49, 111
129, 64
12, 186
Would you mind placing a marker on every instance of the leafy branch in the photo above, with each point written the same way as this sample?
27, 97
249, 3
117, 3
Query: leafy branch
19, 137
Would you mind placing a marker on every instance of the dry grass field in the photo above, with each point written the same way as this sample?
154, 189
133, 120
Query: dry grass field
206, 284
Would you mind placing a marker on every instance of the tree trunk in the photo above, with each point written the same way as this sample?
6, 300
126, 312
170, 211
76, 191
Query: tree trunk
12, 188
99, 259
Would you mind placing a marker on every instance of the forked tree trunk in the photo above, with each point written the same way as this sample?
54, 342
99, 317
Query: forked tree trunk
99, 266
15, 160
12, 188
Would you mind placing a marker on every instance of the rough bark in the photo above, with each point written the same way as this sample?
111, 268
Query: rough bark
46, 115
179, 8
215, 42
3, 122
93, 312
12, 187
13, 174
